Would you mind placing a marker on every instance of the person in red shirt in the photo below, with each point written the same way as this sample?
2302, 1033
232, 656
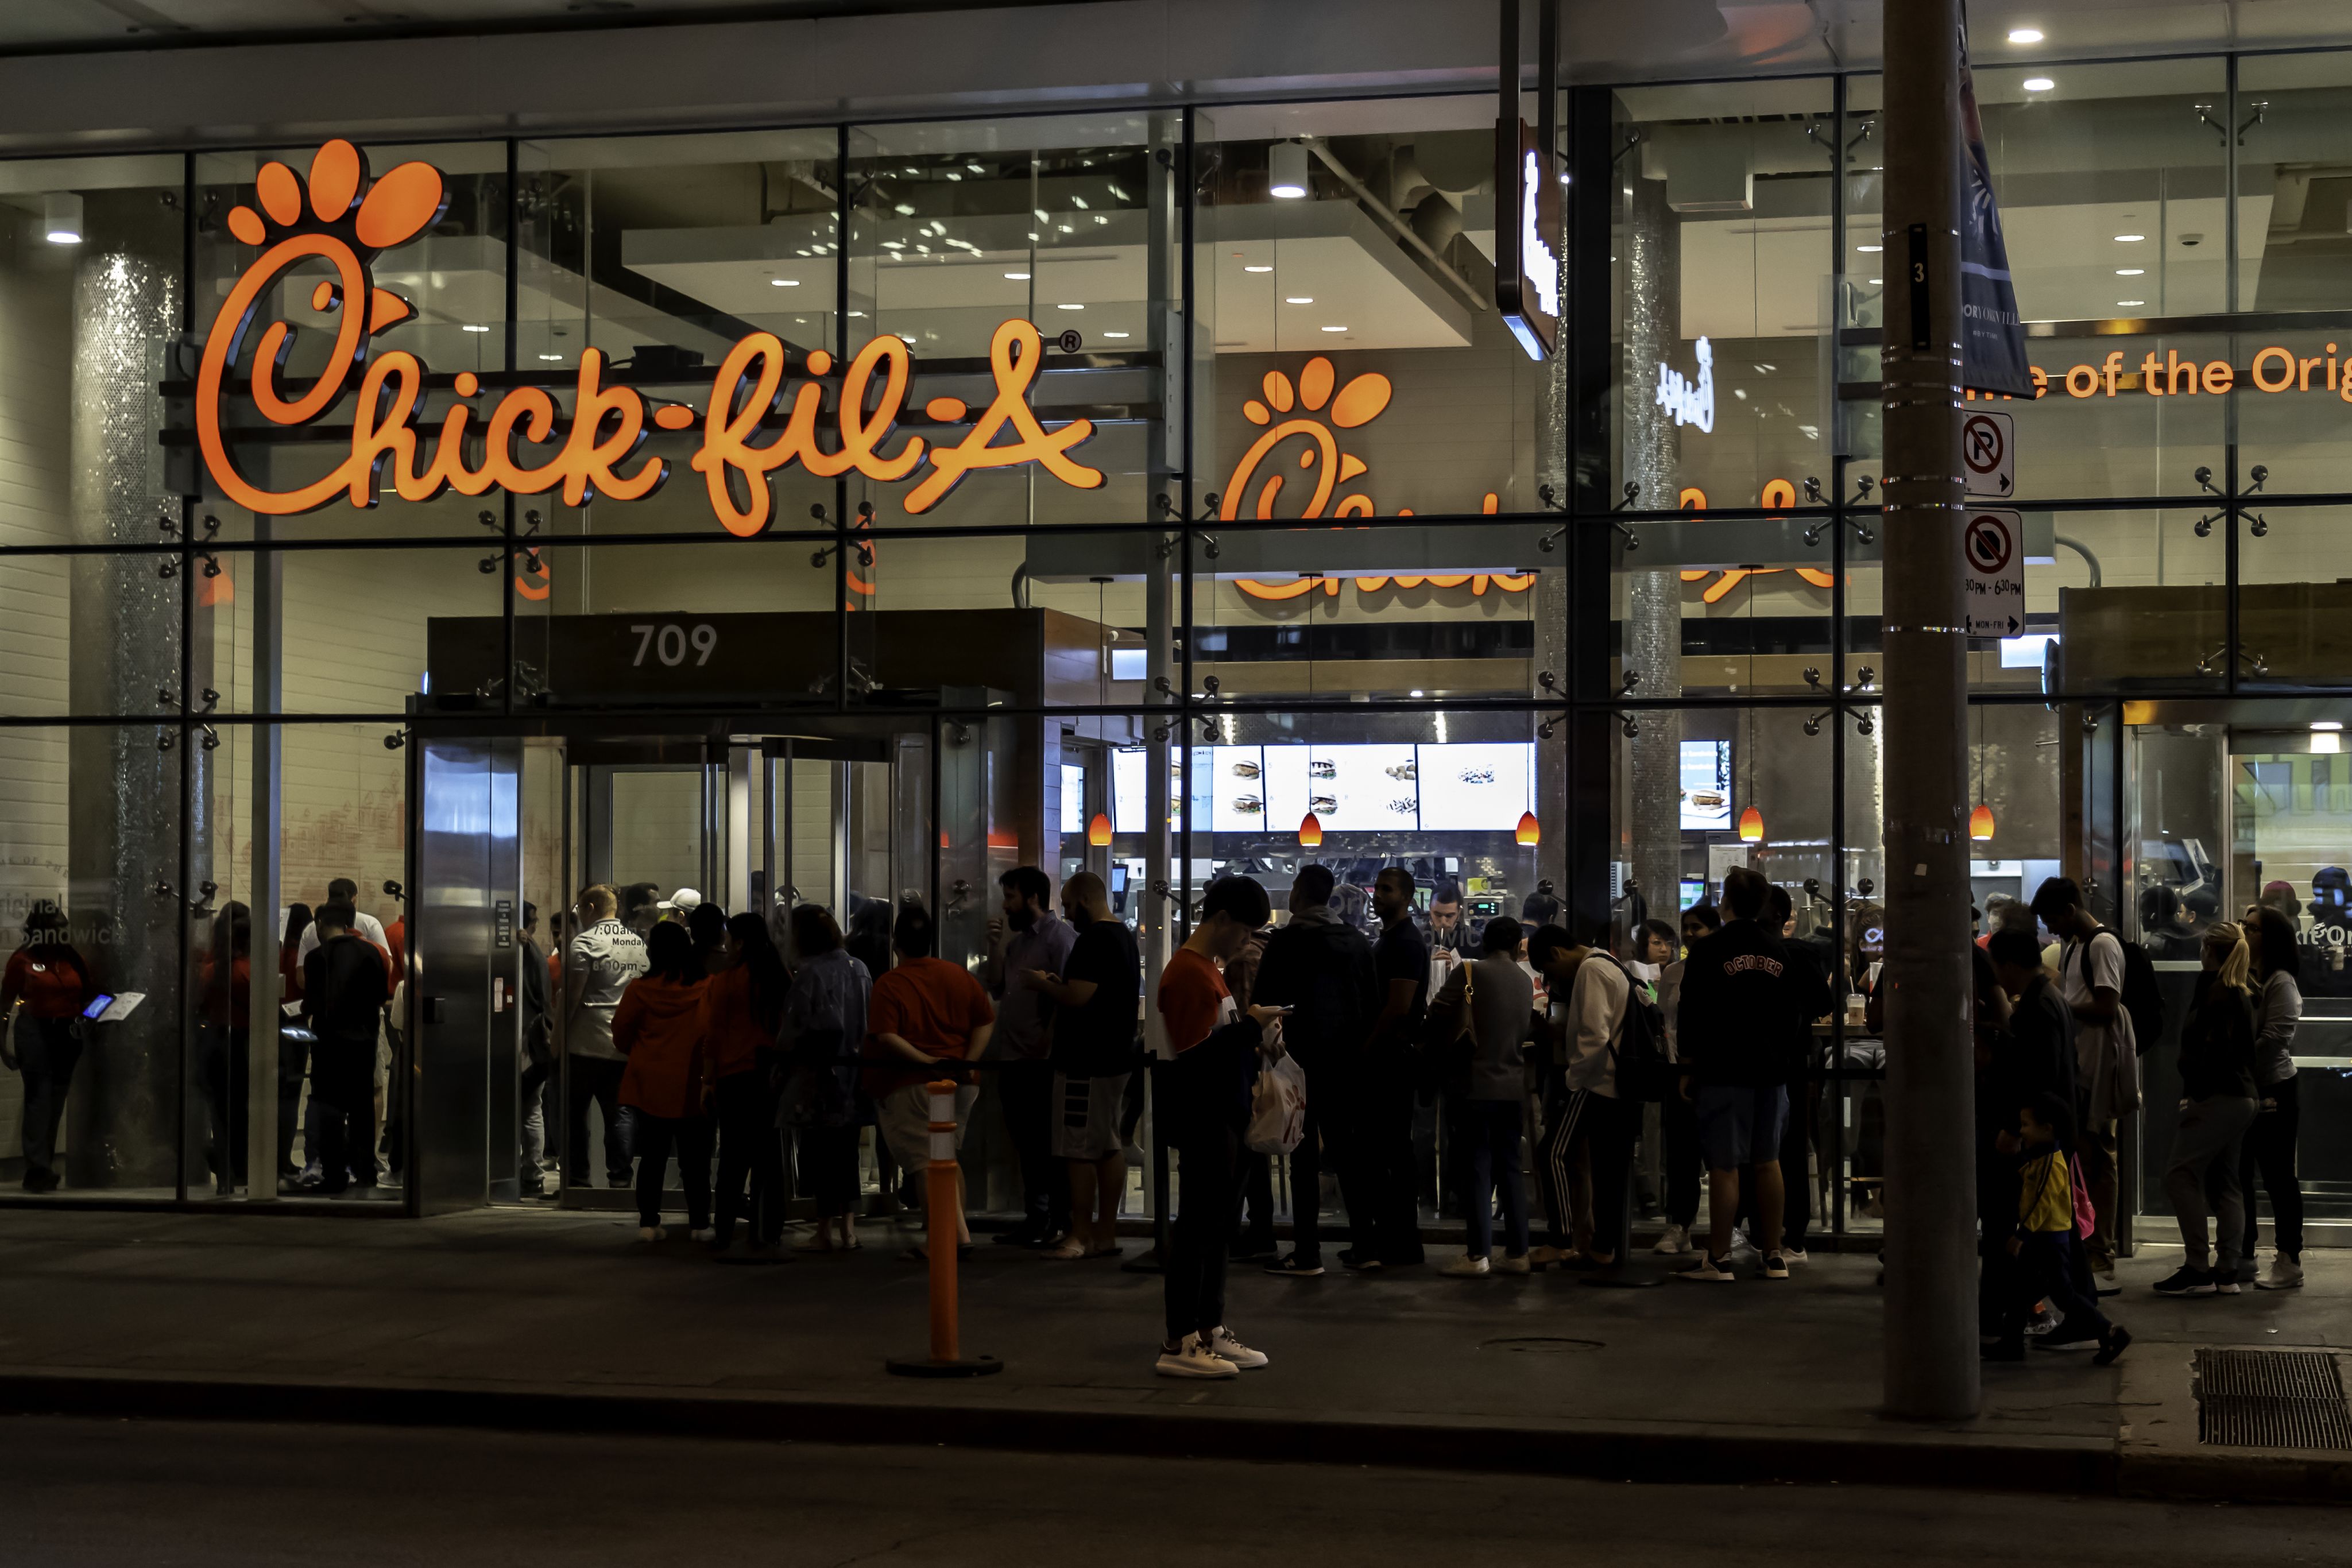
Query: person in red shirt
224, 997
46, 986
665, 1088
925, 1015
1204, 1104
742, 1012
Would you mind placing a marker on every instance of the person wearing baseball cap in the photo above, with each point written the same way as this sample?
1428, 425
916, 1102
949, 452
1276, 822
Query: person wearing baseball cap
680, 906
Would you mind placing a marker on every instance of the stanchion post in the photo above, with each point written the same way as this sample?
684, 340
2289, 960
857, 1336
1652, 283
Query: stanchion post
946, 1359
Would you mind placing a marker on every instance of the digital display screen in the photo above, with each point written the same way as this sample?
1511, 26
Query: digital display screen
1229, 789
1706, 784
1366, 788
1127, 775
1473, 787
1074, 799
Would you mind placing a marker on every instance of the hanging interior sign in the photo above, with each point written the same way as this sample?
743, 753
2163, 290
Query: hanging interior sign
528, 444
1526, 255
1687, 401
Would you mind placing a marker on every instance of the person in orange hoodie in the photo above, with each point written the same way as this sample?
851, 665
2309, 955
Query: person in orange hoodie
665, 1088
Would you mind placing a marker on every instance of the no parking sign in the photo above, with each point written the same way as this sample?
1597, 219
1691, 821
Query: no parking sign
1992, 554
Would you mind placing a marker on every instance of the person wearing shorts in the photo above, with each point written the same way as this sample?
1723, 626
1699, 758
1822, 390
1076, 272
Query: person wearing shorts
925, 1018
1092, 1055
1738, 1024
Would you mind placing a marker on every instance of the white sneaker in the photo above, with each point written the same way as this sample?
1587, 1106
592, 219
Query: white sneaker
1507, 1264
2283, 1274
1225, 1347
1744, 1251
1795, 1255
1706, 1271
707, 1233
1194, 1359
1468, 1267
1674, 1243
652, 1233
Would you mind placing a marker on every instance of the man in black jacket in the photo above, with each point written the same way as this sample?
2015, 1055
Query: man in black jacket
344, 995
1321, 968
1810, 998
1739, 1015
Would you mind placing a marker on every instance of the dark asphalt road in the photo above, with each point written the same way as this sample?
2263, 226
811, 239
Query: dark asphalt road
88, 1494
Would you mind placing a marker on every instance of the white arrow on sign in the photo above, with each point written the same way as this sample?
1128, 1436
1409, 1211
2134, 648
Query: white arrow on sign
1988, 454
1992, 563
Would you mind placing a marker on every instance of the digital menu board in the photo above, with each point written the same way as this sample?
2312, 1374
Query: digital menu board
1127, 776
1074, 799
1476, 787
1229, 789
1364, 788
1706, 785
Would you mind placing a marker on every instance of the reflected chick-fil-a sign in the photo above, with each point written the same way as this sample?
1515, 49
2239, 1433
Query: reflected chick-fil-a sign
529, 445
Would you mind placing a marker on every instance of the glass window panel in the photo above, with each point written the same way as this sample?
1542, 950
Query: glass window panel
1356, 363
357, 625
450, 277
1721, 247
2296, 198
969, 239
2292, 597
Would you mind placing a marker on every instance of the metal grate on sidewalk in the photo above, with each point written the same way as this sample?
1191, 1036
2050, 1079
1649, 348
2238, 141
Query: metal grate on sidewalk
2271, 1399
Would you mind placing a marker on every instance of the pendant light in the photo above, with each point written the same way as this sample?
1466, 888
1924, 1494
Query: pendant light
1980, 820
1310, 833
1099, 826
1751, 820
1530, 832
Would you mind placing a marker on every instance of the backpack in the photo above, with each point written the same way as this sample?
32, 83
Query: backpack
1643, 1073
2139, 998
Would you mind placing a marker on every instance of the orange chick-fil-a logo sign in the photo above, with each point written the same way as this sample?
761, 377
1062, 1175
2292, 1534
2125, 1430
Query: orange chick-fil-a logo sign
1358, 404
344, 219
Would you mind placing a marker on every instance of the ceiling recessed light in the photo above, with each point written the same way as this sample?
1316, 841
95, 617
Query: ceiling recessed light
2129, 239
1875, 281
1119, 334
2025, 34
1069, 306
471, 327
1335, 329
1018, 276
783, 283
1300, 299
2325, 724
551, 356
1257, 269
61, 214
2130, 302
2037, 84
2130, 271
1870, 249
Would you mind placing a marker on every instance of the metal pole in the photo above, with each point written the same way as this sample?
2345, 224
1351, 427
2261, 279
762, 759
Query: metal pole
1931, 1371
265, 591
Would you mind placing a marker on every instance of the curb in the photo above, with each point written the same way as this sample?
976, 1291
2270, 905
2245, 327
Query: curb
1893, 1458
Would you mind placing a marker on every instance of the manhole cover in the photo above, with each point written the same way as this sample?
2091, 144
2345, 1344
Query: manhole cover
1541, 1344
2271, 1399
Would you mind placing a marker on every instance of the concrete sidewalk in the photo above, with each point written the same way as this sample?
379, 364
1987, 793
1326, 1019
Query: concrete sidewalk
528, 1320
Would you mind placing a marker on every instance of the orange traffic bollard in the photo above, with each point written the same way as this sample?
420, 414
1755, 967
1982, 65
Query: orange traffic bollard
939, 1244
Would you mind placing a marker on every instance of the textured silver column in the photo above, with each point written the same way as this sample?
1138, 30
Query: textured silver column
1551, 606
1653, 599
123, 820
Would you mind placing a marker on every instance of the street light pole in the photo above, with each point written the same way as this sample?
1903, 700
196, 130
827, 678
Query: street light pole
1931, 1371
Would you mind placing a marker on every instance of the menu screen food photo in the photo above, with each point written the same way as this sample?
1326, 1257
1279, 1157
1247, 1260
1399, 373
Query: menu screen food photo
1706, 784
1475, 787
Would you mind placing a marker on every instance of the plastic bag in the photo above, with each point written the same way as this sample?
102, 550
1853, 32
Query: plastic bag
1277, 1108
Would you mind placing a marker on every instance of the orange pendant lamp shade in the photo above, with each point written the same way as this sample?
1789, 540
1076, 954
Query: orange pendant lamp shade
1310, 833
1981, 824
1098, 829
1751, 826
1530, 830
